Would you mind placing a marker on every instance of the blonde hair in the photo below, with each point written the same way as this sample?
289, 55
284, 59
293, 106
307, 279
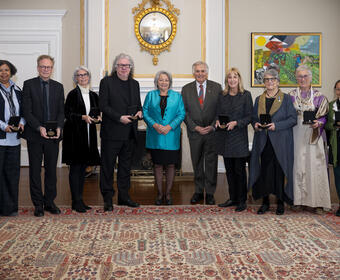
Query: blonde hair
240, 83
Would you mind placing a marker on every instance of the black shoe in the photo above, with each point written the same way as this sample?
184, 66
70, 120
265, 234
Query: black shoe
263, 209
78, 207
209, 199
52, 208
38, 211
128, 202
228, 203
280, 209
108, 207
168, 199
159, 200
241, 207
196, 198
337, 213
85, 206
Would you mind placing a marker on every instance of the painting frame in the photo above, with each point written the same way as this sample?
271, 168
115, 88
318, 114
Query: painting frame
287, 50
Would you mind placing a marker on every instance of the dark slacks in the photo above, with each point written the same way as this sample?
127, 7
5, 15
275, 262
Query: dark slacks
37, 151
76, 180
204, 162
9, 179
237, 178
110, 150
336, 171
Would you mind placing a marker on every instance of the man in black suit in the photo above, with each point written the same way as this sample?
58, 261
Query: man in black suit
119, 100
200, 102
43, 102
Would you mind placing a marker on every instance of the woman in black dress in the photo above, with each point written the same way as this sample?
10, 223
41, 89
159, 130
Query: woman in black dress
80, 135
235, 105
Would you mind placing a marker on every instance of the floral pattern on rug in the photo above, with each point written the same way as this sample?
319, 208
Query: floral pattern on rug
179, 242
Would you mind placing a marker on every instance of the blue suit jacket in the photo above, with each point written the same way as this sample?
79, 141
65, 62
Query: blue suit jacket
174, 115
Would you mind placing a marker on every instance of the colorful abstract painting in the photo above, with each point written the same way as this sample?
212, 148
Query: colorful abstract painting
287, 51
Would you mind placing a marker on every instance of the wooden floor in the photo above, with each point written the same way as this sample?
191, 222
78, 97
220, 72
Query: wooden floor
143, 190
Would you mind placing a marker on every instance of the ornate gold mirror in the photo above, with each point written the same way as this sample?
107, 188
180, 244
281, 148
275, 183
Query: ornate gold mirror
155, 27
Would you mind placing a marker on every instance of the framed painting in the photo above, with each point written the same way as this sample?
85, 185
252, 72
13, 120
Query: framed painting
287, 51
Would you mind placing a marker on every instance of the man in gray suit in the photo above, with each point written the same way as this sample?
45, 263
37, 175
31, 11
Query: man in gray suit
200, 101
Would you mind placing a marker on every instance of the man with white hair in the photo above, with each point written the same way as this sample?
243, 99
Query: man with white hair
200, 102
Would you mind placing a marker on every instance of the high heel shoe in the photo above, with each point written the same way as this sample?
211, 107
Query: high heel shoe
168, 199
159, 200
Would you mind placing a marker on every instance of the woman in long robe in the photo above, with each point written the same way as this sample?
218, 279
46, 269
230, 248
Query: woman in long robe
311, 185
272, 156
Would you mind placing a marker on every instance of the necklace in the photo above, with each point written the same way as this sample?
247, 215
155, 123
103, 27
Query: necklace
269, 96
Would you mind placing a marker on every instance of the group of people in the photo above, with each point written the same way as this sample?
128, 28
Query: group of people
287, 158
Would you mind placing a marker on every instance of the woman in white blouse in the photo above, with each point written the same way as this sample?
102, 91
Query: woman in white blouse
80, 134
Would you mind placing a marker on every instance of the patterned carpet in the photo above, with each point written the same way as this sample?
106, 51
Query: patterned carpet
179, 242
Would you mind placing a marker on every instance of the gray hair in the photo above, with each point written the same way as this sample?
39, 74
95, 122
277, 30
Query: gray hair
75, 73
304, 68
273, 70
119, 57
197, 63
158, 75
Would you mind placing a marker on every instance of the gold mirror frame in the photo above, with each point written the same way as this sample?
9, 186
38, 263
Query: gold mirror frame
157, 47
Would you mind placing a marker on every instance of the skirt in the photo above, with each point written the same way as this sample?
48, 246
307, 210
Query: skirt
164, 157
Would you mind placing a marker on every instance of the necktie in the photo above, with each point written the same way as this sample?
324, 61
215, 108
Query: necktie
45, 101
9, 96
200, 96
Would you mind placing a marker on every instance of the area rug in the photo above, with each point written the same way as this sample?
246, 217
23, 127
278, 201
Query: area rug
179, 242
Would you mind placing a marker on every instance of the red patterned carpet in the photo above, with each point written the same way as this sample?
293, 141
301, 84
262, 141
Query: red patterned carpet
179, 242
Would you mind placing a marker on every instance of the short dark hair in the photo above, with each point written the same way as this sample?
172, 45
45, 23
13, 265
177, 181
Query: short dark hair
11, 67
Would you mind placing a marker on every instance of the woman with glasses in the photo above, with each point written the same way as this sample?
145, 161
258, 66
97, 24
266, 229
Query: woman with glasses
10, 106
311, 185
272, 156
164, 112
333, 125
80, 134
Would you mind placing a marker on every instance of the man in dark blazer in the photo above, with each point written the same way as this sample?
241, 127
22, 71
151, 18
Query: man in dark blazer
200, 101
119, 101
43, 101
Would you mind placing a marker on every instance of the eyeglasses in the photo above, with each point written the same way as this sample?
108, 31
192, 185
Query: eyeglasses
45, 67
269, 79
302, 77
124, 65
82, 75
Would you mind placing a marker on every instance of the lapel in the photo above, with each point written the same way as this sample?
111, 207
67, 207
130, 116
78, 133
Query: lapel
51, 96
207, 97
81, 102
194, 96
93, 102
40, 93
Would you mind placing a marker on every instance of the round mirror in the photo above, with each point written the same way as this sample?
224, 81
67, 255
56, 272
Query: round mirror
155, 28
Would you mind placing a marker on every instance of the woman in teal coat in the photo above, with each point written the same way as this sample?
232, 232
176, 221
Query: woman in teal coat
163, 112
334, 140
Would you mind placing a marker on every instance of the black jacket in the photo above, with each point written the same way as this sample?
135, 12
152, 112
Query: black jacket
18, 94
234, 143
114, 103
76, 147
33, 107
